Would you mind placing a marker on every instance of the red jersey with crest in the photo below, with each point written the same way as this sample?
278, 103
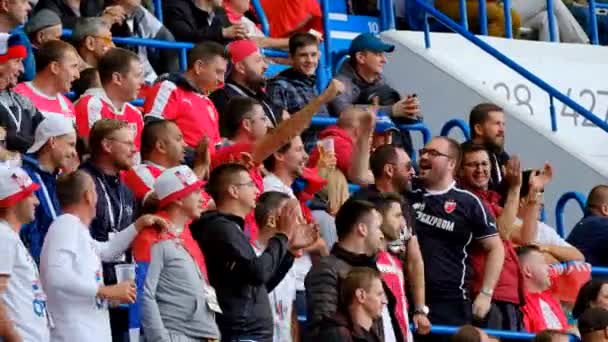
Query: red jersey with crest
95, 105
191, 110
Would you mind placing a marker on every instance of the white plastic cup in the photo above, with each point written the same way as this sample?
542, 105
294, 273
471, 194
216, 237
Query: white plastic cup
125, 272
327, 145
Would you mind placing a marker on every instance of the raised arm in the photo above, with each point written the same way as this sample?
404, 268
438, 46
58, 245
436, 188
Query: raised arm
295, 125
506, 221
359, 171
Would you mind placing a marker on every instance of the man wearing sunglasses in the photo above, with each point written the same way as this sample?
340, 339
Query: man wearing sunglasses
92, 38
393, 172
449, 221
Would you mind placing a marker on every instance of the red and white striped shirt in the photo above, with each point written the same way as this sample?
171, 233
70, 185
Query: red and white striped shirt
392, 275
95, 105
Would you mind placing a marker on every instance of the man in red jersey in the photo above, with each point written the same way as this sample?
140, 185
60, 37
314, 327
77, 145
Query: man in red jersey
541, 310
121, 75
182, 98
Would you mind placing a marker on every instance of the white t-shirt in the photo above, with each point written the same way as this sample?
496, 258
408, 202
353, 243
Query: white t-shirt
281, 303
24, 297
70, 266
546, 235
301, 265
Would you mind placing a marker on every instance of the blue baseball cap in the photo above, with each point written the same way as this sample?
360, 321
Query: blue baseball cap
369, 42
384, 124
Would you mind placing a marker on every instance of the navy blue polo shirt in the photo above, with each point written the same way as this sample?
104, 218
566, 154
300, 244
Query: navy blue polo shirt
590, 236
447, 224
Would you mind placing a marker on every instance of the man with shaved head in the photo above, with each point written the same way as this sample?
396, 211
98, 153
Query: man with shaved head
590, 234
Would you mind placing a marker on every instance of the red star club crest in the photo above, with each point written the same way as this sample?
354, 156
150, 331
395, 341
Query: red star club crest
449, 206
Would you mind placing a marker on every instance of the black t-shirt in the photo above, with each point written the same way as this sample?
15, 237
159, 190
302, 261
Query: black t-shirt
447, 223
371, 193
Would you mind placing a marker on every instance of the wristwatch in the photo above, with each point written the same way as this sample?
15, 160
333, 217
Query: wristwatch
422, 310
487, 292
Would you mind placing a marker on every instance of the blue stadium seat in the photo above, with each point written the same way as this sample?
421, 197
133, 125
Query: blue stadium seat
338, 6
274, 68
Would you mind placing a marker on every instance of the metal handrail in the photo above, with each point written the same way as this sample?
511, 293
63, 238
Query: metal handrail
592, 5
552, 92
183, 47
259, 11
456, 123
513, 335
158, 10
561, 205
419, 127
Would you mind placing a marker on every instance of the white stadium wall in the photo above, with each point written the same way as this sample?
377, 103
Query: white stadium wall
454, 75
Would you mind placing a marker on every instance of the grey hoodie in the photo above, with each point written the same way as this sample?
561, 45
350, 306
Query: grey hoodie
174, 300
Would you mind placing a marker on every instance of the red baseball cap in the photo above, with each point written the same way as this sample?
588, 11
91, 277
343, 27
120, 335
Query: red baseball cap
241, 49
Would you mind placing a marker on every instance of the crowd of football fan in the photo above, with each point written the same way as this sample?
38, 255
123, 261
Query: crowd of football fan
235, 232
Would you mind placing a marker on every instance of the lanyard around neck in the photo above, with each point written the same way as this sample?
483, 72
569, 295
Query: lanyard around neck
16, 119
114, 221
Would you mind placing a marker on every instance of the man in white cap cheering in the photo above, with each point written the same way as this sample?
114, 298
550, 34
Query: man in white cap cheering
54, 150
22, 300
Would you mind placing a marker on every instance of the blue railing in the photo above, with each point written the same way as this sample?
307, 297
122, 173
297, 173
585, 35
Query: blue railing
158, 9
592, 6
553, 29
550, 90
561, 205
456, 123
483, 18
183, 47
259, 11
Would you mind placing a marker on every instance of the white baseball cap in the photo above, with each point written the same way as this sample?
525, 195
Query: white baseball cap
52, 126
15, 185
176, 183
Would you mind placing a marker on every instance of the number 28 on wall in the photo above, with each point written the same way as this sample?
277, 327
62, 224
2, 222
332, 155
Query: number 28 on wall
522, 96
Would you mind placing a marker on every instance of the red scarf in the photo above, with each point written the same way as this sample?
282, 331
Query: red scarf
142, 245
